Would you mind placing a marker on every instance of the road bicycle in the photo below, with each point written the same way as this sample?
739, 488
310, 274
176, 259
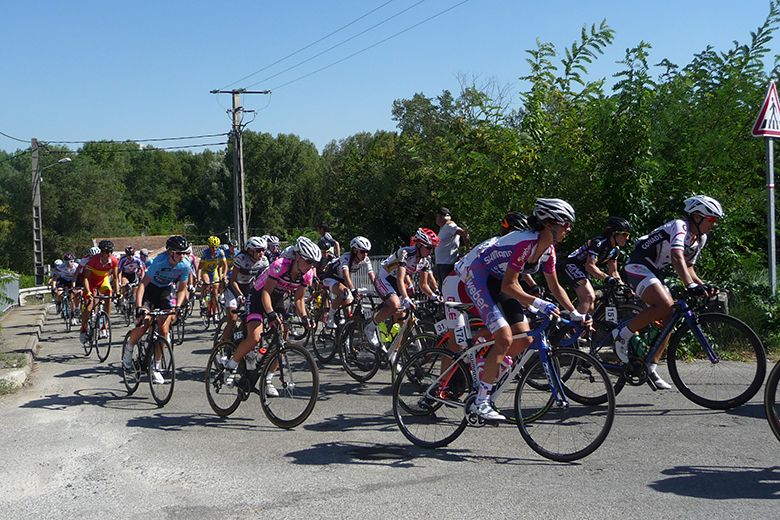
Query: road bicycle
144, 358
98, 329
715, 360
772, 400
561, 418
289, 369
210, 309
69, 309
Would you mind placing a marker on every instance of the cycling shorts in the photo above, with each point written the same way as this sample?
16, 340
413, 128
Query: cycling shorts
163, 298
640, 277
254, 304
570, 274
495, 308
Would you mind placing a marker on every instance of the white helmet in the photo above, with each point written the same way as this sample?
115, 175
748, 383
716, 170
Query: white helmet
272, 240
94, 250
361, 243
703, 204
58, 263
554, 209
307, 249
256, 243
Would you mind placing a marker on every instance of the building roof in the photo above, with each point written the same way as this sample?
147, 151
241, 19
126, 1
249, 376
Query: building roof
154, 243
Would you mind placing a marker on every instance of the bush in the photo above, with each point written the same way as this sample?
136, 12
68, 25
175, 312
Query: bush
750, 303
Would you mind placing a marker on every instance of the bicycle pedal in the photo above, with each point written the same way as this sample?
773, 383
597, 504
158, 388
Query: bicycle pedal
651, 384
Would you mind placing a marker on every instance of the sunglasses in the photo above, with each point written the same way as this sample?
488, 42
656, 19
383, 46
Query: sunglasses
623, 233
180, 253
566, 226
710, 219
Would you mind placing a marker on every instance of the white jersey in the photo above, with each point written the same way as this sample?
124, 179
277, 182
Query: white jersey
345, 262
248, 269
406, 257
66, 272
655, 249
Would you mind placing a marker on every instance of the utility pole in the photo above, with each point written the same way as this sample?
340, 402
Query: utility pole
239, 198
36, 211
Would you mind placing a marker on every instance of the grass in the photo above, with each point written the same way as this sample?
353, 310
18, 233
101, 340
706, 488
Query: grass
12, 360
5, 387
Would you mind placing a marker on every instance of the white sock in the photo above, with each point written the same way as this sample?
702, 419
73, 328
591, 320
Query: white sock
482, 393
231, 364
651, 367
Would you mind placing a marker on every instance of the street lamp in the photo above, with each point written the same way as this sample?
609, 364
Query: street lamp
37, 177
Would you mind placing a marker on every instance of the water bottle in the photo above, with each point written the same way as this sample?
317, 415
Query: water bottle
251, 359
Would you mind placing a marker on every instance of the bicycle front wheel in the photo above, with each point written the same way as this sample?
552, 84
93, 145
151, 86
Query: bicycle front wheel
772, 400
87, 345
325, 345
738, 372
162, 389
67, 316
358, 356
289, 386
429, 398
223, 399
569, 429
131, 374
409, 348
102, 336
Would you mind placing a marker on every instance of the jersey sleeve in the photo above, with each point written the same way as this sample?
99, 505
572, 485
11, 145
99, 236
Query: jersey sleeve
677, 232
520, 255
549, 264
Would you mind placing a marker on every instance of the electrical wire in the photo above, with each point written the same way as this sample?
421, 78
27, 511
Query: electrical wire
14, 156
306, 46
14, 138
370, 46
153, 140
337, 44
132, 150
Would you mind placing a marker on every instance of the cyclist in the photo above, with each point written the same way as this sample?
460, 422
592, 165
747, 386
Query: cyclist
266, 302
230, 250
589, 259
132, 270
324, 230
338, 278
489, 278
65, 278
169, 272
393, 281
247, 266
99, 270
144, 256
211, 270
677, 243
273, 250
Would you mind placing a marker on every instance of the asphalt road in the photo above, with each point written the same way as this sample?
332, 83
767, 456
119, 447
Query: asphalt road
74, 445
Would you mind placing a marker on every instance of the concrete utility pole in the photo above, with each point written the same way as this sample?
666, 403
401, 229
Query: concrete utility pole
36, 211
239, 198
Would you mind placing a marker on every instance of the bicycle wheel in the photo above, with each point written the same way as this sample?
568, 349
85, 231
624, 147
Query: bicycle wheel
291, 370
409, 348
731, 381
224, 400
205, 314
573, 430
772, 400
218, 328
87, 345
358, 356
298, 330
102, 336
162, 392
429, 409
67, 314
131, 375
179, 328
325, 345
603, 345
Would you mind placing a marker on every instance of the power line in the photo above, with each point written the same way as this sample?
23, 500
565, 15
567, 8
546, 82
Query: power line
14, 156
66, 152
338, 44
15, 138
153, 140
371, 46
306, 46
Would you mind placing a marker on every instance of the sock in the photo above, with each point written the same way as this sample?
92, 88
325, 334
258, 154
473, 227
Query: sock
651, 367
231, 364
625, 333
482, 393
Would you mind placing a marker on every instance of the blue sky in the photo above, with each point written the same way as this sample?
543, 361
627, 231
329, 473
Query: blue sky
87, 70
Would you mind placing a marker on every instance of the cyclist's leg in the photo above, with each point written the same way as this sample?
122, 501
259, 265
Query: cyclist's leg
231, 304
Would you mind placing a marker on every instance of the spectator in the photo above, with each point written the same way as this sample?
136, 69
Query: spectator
449, 242
324, 232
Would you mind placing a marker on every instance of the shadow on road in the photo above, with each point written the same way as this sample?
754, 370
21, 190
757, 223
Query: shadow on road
103, 397
181, 421
721, 483
344, 422
394, 455
752, 410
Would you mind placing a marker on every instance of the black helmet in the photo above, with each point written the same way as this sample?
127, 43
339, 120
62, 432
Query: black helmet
106, 246
69, 257
129, 250
177, 243
233, 243
514, 221
618, 224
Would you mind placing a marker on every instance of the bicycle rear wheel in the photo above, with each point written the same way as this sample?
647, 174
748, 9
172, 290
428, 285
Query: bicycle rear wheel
573, 430
87, 345
358, 356
325, 345
67, 315
291, 370
734, 379
772, 400
102, 336
429, 410
162, 392
131, 375
223, 399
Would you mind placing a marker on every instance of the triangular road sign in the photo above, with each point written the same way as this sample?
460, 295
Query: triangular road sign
768, 122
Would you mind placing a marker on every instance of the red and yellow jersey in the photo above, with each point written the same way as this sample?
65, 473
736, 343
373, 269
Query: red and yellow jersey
97, 272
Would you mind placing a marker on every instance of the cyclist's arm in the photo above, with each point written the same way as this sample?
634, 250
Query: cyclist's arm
347, 278
223, 269
593, 269
510, 286
233, 284
87, 291
141, 289
181, 293
557, 291
300, 301
681, 267
337, 247
265, 295
116, 280
612, 268
402, 283
427, 283
695, 276
371, 277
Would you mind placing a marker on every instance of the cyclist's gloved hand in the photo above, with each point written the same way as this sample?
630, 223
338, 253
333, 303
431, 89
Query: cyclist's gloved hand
611, 281
140, 312
407, 303
436, 298
697, 289
273, 318
545, 307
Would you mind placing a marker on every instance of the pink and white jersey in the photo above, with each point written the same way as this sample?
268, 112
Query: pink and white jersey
280, 270
514, 250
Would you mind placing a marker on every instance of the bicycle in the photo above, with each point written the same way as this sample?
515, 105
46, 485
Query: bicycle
771, 401
98, 329
360, 359
298, 379
126, 304
144, 357
435, 389
714, 360
209, 306
68, 309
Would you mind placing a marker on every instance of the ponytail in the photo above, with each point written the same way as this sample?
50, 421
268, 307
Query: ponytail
535, 223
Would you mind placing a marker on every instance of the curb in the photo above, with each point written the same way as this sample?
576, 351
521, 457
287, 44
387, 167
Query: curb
15, 378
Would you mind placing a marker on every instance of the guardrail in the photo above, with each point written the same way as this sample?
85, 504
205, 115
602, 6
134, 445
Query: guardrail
31, 291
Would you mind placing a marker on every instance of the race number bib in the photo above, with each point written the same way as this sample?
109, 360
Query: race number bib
611, 315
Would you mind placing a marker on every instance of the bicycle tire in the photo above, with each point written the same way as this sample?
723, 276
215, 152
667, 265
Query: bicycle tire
546, 427
87, 345
102, 344
218, 328
325, 345
179, 327
715, 385
771, 401
298, 385
359, 357
425, 419
131, 376
67, 317
162, 393
414, 344
297, 329
223, 400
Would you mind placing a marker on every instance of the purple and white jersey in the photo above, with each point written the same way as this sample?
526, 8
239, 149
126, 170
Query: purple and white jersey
514, 250
130, 264
655, 249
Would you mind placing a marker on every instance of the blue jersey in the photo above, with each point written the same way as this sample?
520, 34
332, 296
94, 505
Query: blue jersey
162, 274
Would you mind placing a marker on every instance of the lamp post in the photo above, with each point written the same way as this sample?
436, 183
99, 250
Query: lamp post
37, 177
